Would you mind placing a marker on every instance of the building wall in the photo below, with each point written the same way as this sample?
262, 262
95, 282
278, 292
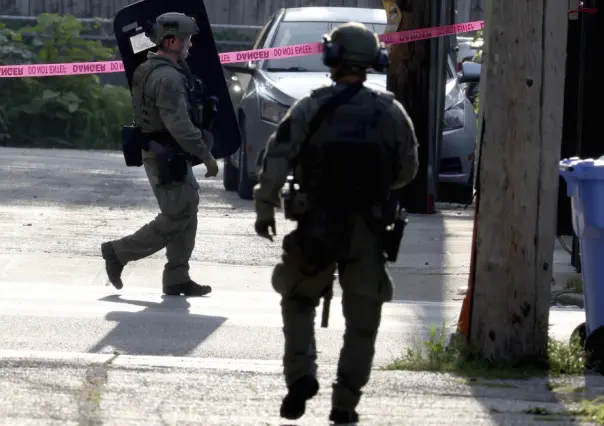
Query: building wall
234, 12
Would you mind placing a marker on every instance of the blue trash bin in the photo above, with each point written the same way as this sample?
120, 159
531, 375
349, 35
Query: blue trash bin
585, 187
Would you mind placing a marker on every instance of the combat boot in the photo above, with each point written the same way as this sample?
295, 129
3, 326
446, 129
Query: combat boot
189, 288
343, 417
343, 401
113, 266
294, 403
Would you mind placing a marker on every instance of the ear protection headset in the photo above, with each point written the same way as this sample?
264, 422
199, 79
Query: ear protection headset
151, 28
332, 55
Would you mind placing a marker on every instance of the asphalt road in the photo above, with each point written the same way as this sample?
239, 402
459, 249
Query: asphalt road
212, 360
66, 203
101, 391
58, 206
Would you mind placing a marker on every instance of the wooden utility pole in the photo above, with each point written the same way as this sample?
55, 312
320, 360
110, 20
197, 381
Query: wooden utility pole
521, 103
409, 80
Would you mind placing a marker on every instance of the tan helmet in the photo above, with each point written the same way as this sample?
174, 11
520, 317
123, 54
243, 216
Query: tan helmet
173, 24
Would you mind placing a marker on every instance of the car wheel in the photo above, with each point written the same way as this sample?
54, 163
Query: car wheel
579, 335
230, 176
457, 193
246, 185
468, 189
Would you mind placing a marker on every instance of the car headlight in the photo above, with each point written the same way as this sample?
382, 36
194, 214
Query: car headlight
454, 116
271, 110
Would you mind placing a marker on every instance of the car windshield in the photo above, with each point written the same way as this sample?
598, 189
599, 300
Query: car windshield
290, 33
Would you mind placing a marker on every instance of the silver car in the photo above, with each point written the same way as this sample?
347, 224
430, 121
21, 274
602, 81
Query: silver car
264, 90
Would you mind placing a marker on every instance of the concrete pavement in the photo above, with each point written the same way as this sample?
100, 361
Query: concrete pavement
68, 202
85, 354
230, 323
123, 391
213, 360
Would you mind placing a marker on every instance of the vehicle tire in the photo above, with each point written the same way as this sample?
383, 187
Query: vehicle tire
246, 185
457, 193
230, 176
579, 335
467, 193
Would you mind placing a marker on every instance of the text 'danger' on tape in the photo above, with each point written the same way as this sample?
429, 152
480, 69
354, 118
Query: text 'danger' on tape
81, 68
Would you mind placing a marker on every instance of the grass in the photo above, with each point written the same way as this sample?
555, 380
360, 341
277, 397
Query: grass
575, 285
567, 389
475, 382
588, 411
592, 411
434, 355
562, 359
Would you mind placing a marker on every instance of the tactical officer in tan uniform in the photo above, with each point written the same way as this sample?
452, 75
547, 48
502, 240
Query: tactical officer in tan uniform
162, 109
345, 169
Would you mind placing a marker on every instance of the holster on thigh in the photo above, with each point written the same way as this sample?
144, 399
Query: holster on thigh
297, 275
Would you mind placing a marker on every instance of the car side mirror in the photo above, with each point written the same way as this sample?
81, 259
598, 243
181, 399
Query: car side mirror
470, 72
242, 68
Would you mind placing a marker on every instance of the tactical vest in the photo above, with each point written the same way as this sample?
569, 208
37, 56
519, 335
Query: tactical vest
347, 164
203, 108
140, 101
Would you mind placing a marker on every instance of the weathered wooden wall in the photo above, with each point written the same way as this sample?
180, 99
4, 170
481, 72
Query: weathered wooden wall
469, 10
242, 12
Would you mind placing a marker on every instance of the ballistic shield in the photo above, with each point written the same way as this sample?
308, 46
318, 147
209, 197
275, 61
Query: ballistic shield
129, 26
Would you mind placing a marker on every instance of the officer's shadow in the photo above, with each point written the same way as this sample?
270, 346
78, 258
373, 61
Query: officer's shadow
165, 328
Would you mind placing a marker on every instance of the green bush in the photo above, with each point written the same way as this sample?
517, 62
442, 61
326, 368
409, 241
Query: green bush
478, 38
75, 111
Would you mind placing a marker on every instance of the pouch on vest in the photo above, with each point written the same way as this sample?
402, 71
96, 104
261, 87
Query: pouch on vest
133, 142
133, 139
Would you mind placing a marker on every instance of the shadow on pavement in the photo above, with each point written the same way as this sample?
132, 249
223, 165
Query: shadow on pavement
432, 268
534, 400
161, 329
434, 259
77, 178
525, 402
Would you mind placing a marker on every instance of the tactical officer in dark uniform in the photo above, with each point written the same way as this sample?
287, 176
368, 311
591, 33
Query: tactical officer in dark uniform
169, 120
348, 146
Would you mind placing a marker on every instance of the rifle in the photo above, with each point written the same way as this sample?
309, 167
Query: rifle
396, 220
327, 296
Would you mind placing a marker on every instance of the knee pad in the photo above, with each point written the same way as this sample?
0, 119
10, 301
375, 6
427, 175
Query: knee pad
298, 304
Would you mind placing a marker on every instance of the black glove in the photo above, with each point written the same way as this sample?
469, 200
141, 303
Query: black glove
265, 217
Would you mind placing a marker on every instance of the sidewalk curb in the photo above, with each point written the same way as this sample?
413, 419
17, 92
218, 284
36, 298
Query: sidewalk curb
569, 299
84, 360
